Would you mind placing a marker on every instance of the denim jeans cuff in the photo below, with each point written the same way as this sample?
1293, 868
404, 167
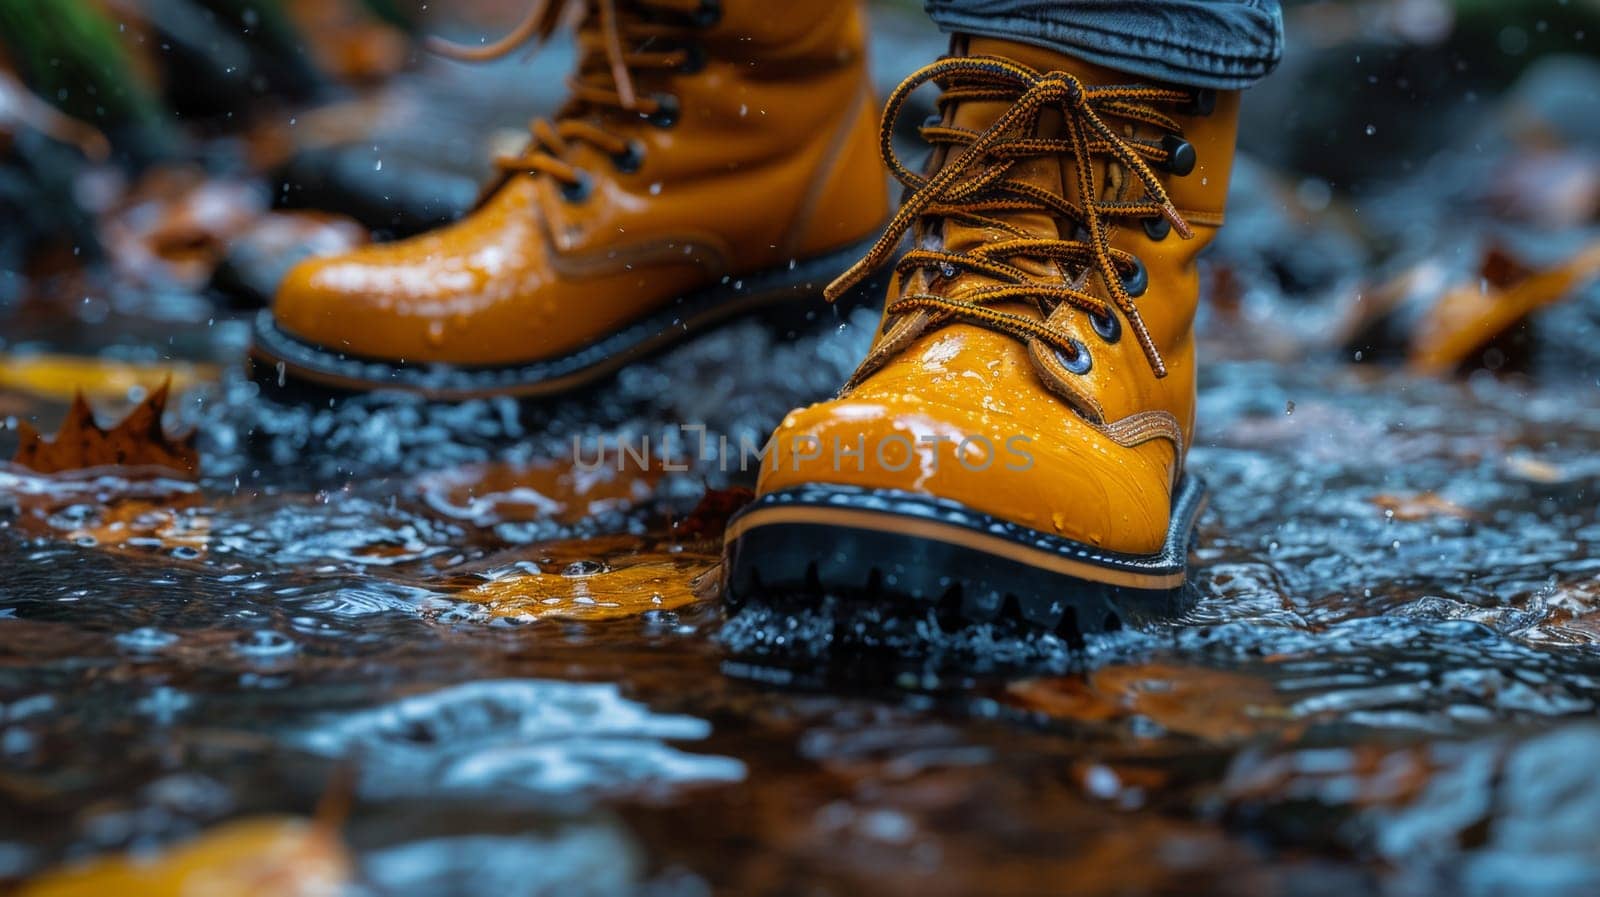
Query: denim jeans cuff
1221, 45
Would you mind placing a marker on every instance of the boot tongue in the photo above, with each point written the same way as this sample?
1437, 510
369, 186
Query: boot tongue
1056, 176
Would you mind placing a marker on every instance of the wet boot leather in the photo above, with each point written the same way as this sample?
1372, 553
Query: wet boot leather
714, 157
1014, 443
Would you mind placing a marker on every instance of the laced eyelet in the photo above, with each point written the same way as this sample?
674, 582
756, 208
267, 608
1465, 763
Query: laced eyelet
1157, 228
1181, 157
1109, 327
1204, 103
578, 190
709, 13
1080, 362
666, 114
629, 160
1137, 280
694, 60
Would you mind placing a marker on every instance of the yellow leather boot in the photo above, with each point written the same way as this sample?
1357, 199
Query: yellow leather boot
1014, 443
715, 157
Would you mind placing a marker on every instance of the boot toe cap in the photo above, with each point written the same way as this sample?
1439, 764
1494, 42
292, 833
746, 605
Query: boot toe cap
458, 295
1062, 477
371, 302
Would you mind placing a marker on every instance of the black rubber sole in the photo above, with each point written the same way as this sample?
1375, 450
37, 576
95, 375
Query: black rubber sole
919, 554
789, 297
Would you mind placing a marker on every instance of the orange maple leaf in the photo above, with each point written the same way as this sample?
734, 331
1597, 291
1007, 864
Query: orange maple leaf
137, 441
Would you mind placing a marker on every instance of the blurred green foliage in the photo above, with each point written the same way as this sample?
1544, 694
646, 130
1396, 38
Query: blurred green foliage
73, 56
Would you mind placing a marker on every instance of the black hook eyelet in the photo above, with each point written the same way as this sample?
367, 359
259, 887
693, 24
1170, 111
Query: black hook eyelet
578, 189
1203, 103
694, 60
1181, 157
1157, 228
1080, 362
1109, 327
1137, 280
666, 114
709, 13
629, 160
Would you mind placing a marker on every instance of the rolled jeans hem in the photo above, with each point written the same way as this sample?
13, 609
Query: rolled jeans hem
1224, 62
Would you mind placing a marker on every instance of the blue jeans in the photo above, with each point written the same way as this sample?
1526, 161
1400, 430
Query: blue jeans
1223, 44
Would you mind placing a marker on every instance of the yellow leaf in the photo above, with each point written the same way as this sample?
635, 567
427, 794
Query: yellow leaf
623, 587
266, 857
61, 377
1472, 315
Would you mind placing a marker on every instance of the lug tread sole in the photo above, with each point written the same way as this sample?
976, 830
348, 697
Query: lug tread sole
789, 549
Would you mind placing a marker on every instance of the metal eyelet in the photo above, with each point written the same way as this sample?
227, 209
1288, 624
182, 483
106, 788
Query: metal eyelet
578, 190
709, 13
1181, 157
1137, 280
666, 114
1157, 228
1080, 363
1109, 327
694, 60
629, 160
1204, 103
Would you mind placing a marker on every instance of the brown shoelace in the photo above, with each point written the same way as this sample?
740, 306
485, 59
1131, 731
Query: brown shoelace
609, 28
965, 189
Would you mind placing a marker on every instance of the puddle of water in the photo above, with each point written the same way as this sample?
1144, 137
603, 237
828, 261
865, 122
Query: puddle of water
1394, 626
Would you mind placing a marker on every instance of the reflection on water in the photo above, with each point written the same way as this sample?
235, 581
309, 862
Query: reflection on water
528, 736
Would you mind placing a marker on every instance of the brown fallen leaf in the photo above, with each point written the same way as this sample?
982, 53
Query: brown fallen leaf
137, 441
176, 224
1470, 316
1421, 506
1205, 703
103, 509
145, 524
348, 42
265, 857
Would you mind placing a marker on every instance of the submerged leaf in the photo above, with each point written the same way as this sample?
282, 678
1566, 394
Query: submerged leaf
267, 857
1421, 506
1205, 703
624, 585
